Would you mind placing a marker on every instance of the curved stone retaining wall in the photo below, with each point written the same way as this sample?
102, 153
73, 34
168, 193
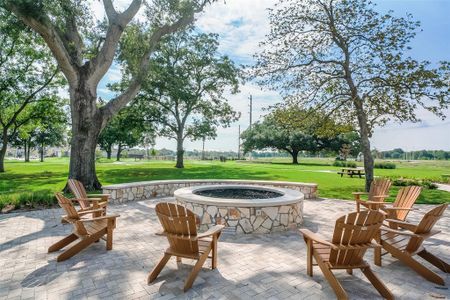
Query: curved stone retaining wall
145, 190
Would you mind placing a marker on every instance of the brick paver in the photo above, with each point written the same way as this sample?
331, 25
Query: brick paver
270, 266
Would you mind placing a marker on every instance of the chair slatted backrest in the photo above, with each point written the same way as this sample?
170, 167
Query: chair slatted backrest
357, 231
425, 226
406, 198
179, 224
72, 214
379, 187
78, 190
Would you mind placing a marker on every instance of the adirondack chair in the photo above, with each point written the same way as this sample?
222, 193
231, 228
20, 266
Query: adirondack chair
87, 202
379, 190
405, 243
181, 231
400, 208
88, 230
352, 237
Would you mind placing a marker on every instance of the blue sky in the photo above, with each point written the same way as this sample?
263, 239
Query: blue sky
242, 24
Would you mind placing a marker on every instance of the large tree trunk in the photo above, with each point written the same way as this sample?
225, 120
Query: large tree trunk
364, 133
3, 150
295, 157
86, 127
119, 152
180, 152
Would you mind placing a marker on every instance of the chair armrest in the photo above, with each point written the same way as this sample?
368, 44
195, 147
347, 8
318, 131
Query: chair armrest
104, 197
307, 234
373, 202
381, 196
87, 199
396, 208
100, 218
360, 193
398, 231
89, 211
212, 231
403, 224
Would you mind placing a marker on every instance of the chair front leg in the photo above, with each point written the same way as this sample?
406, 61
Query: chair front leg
158, 268
214, 252
309, 257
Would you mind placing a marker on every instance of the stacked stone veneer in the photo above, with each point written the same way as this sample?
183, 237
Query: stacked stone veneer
248, 219
145, 190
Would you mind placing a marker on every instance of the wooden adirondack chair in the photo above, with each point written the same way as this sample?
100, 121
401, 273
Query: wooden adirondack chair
400, 208
87, 202
379, 190
88, 230
405, 243
181, 232
352, 237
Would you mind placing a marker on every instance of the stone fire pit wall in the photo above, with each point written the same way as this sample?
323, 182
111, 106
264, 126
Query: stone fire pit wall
248, 219
144, 190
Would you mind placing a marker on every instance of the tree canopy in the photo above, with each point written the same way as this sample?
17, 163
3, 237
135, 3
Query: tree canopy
185, 89
28, 76
293, 129
351, 61
85, 49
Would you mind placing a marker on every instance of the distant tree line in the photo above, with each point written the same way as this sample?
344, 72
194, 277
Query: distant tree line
399, 153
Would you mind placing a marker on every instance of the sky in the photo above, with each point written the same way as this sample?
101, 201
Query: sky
243, 24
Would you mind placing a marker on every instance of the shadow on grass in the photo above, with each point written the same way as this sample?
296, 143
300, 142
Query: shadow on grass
113, 176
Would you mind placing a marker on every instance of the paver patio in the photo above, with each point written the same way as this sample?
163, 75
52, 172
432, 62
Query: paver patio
270, 266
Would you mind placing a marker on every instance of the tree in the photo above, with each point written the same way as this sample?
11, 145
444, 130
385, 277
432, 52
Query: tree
28, 76
85, 52
126, 129
185, 88
293, 129
344, 57
47, 127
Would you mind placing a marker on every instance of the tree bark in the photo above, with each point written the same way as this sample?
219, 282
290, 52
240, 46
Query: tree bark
108, 152
41, 151
364, 133
119, 152
87, 123
180, 152
3, 150
25, 151
295, 157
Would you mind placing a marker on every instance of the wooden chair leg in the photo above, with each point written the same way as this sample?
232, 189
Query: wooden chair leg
158, 268
195, 270
109, 237
62, 243
377, 283
358, 207
415, 265
79, 246
214, 252
434, 260
329, 276
309, 257
377, 250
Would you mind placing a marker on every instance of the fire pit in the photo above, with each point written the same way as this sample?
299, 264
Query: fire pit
244, 208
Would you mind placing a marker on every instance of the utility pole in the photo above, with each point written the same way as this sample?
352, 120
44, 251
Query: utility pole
203, 149
251, 110
239, 143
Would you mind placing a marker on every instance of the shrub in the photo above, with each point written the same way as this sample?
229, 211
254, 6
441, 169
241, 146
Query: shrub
427, 184
28, 199
345, 164
384, 165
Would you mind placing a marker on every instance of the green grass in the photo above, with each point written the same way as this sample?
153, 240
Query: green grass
23, 181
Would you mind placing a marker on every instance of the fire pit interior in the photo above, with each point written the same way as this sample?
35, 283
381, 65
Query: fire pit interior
238, 193
244, 208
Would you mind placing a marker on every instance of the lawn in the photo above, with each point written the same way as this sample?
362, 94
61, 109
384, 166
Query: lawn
38, 180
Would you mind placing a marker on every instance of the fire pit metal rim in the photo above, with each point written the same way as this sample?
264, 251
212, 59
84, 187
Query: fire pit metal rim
288, 196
